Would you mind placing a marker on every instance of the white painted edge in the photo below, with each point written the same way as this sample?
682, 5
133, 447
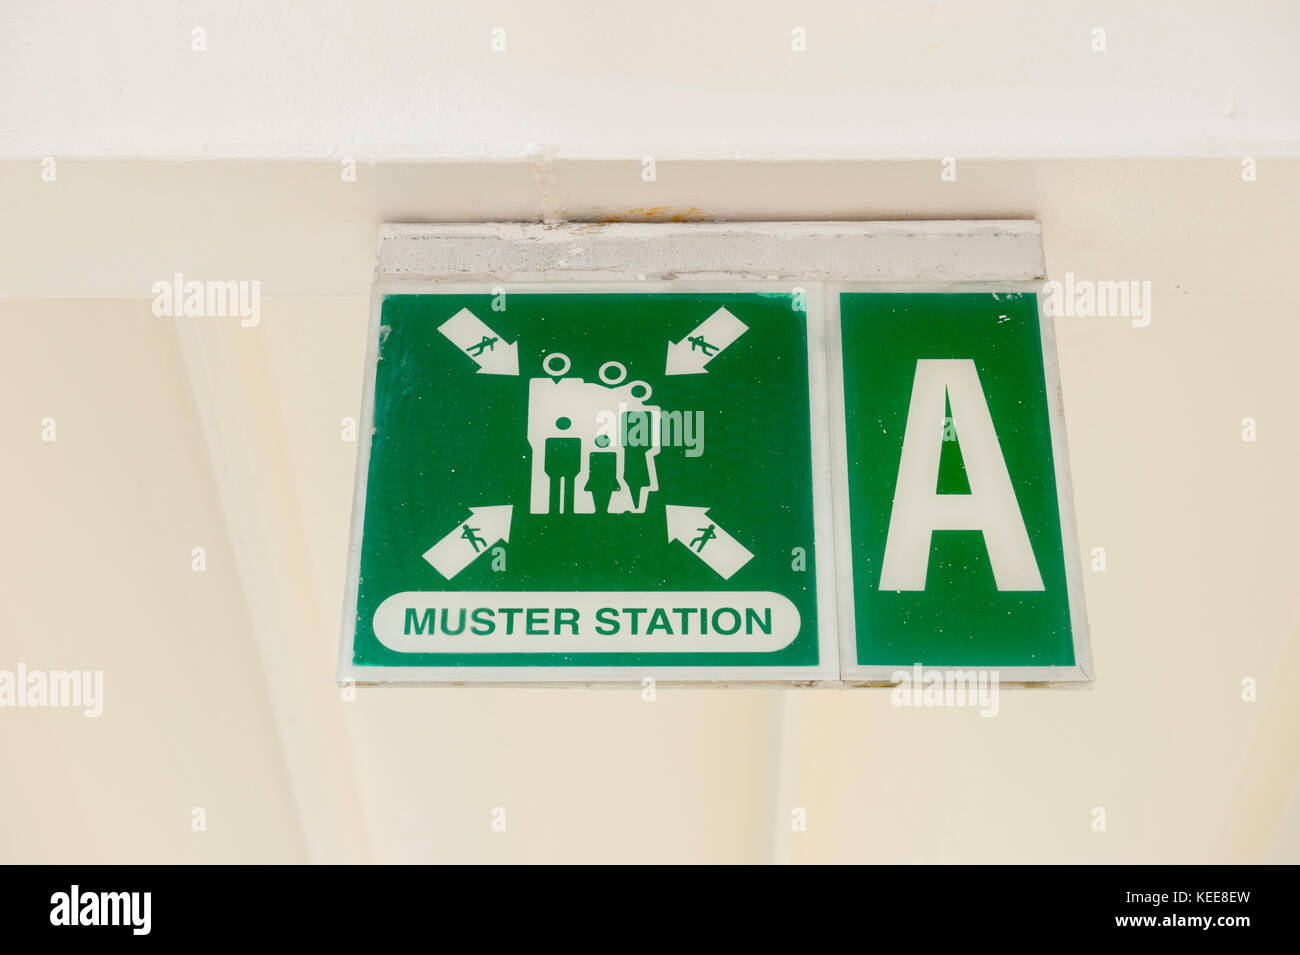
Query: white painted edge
225, 408
1082, 673
784, 772
827, 669
1267, 139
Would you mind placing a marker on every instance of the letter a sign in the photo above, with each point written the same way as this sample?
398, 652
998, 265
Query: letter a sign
592, 465
959, 541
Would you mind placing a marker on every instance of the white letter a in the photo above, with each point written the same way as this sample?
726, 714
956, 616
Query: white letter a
990, 506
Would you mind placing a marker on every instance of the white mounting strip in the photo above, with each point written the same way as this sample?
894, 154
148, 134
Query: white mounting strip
922, 251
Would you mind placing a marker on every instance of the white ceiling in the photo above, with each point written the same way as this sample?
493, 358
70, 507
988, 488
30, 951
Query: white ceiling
672, 79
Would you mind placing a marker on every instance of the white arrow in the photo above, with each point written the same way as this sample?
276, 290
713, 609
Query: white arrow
492, 355
457, 550
711, 336
706, 540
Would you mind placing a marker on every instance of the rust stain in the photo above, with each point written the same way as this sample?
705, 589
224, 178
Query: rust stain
657, 214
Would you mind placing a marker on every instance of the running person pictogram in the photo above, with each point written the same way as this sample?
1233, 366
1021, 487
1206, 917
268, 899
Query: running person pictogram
698, 341
468, 533
706, 534
487, 342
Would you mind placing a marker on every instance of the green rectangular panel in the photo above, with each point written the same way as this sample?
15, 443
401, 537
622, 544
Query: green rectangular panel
582, 480
956, 545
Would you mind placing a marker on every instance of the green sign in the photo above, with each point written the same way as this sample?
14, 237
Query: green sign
954, 456
596, 483
589, 485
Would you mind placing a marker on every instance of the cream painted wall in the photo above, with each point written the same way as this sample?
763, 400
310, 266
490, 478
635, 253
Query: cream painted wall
176, 433
99, 529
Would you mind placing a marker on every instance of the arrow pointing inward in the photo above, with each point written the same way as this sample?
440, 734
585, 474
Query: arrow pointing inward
705, 539
492, 355
456, 551
711, 336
